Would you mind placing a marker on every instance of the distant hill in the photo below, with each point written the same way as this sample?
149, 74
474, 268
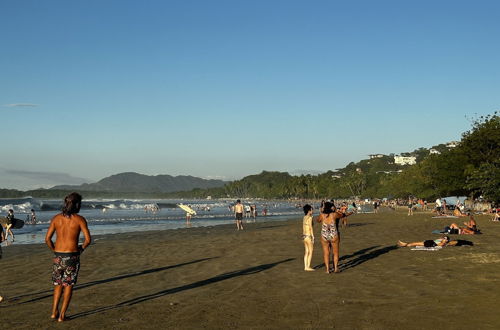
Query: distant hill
135, 182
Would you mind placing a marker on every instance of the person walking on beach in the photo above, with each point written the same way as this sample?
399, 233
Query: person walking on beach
10, 219
67, 226
238, 214
410, 206
308, 236
253, 208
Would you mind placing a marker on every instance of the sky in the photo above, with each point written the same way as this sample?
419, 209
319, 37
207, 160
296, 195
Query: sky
226, 89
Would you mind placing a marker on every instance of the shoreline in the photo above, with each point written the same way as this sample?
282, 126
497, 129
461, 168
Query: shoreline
143, 226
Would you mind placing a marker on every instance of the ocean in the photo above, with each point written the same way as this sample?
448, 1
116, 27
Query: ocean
112, 216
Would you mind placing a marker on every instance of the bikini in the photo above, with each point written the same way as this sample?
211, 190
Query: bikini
307, 221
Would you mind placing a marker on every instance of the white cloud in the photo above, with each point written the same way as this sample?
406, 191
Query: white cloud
12, 105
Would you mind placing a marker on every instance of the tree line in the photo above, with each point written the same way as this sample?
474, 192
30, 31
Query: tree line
472, 169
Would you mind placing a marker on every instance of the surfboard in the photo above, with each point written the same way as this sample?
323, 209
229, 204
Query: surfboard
16, 223
187, 209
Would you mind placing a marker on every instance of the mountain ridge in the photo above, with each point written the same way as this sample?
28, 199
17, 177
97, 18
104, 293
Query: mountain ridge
136, 182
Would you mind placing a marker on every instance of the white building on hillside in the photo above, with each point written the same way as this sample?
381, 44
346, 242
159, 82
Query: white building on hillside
401, 160
452, 144
434, 152
376, 156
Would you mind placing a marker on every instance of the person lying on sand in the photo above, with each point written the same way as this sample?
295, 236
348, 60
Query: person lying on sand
443, 241
455, 229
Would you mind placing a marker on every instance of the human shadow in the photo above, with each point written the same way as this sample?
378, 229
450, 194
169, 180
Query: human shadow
359, 224
267, 227
362, 251
348, 256
107, 280
362, 258
194, 285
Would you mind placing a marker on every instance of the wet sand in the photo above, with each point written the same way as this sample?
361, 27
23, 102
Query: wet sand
219, 278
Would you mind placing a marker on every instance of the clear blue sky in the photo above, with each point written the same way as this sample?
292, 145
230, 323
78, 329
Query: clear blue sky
231, 88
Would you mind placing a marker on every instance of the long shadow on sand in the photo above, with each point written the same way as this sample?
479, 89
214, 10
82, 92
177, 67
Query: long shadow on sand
359, 224
364, 257
107, 280
357, 253
267, 227
215, 279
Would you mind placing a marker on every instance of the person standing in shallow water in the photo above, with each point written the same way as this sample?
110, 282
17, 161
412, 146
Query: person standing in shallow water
10, 219
67, 226
308, 236
238, 214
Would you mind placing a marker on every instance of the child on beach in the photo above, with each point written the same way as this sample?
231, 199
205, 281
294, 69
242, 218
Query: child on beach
308, 236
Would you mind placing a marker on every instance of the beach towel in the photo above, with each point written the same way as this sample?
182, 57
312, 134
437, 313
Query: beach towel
423, 248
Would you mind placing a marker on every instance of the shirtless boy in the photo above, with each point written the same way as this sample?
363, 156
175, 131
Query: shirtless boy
67, 226
238, 214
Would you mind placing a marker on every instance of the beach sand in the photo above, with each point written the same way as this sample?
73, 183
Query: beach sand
219, 278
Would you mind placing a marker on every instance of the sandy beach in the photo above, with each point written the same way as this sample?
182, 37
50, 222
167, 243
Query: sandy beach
217, 278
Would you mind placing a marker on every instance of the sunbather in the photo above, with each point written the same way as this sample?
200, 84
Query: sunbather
443, 241
469, 229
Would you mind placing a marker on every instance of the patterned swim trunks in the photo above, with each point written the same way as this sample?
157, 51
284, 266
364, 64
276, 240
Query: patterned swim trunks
65, 268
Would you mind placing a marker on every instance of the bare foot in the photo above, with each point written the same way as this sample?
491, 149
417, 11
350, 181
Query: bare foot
62, 319
54, 316
1, 298
309, 269
336, 271
328, 271
402, 244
